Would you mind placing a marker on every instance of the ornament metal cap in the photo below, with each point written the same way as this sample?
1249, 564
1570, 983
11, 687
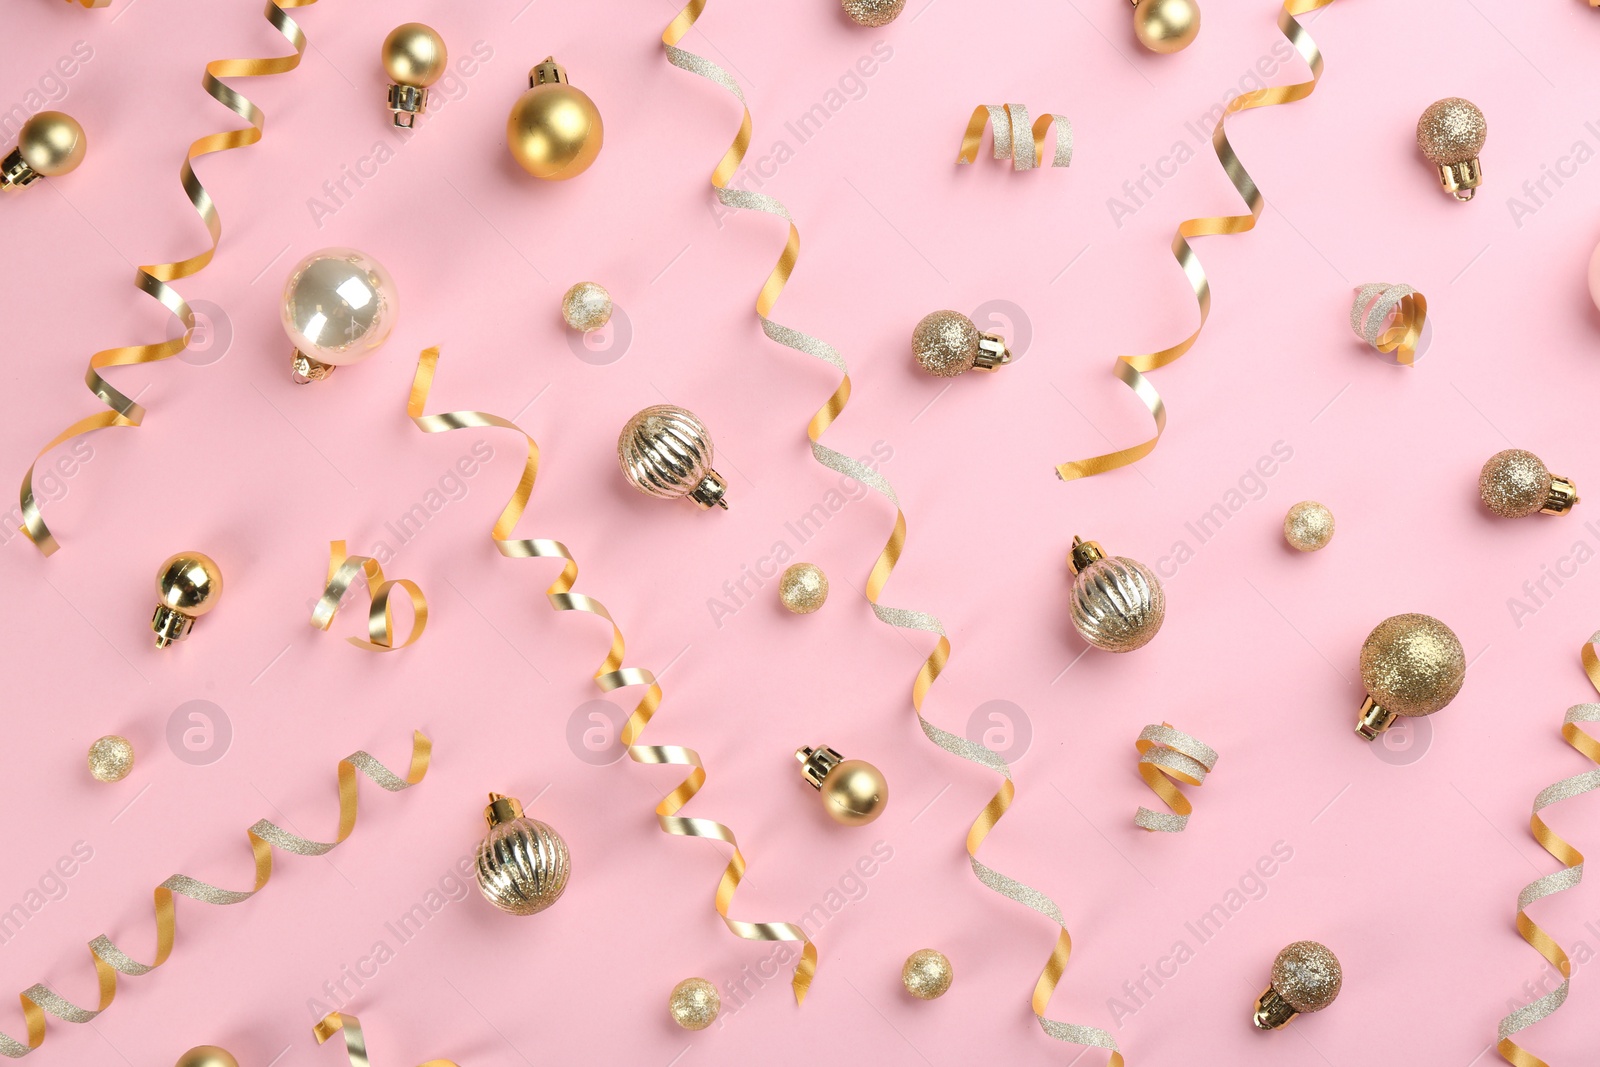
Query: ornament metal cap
1373, 719
501, 809
303, 369
815, 763
548, 73
1083, 554
407, 102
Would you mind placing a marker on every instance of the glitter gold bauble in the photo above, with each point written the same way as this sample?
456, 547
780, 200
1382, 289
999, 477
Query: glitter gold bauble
873, 12
1451, 133
49, 144
666, 452
1305, 977
338, 308
207, 1056
1411, 665
1166, 25
1308, 526
694, 1003
188, 585
947, 343
927, 974
853, 791
1514, 483
586, 306
414, 57
523, 864
111, 758
1115, 603
554, 130
803, 588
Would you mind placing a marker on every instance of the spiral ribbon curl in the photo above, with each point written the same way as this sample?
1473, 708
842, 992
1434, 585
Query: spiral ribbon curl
1167, 756
1568, 877
1131, 370
897, 617
355, 1043
1390, 318
265, 835
152, 279
342, 572
1011, 136
612, 675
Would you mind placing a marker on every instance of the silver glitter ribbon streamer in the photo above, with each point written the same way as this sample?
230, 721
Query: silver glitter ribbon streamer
1166, 753
1013, 137
1373, 318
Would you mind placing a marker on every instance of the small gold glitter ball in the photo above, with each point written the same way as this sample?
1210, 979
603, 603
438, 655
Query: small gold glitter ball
927, 974
1514, 483
586, 306
945, 343
803, 588
1166, 26
694, 1004
1412, 664
873, 12
1308, 526
1307, 975
207, 1056
1451, 131
110, 758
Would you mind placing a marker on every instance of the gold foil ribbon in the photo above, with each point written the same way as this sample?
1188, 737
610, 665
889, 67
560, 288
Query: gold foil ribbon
1131, 370
1568, 877
1390, 318
38, 1001
1011, 137
1167, 756
897, 617
355, 1043
612, 674
93, 3
342, 572
152, 279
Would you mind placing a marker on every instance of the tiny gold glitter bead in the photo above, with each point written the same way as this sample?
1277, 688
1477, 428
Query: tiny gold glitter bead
207, 1056
1308, 526
927, 974
803, 588
873, 12
694, 1003
586, 306
110, 758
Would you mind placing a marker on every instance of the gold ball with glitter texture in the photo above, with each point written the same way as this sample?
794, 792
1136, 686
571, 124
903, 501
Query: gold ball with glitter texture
927, 974
803, 588
1308, 526
694, 1004
872, 13
1514, 483
1412, 664
1307, 975
1451, 133
111, 758
586, 306
1166, 26
207, 1056
945, 343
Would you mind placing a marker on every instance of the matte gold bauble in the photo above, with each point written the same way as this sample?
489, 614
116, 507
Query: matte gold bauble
854, 792
207, 1056
1166, 25
49, 144
414, 57
927, 974
694, 1003
554, 130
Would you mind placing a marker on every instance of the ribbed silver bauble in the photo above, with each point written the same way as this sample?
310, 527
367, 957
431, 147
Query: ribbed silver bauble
665, 451
523, 864
1116, 603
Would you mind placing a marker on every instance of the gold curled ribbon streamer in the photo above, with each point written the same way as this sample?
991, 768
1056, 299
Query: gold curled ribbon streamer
1011, 137
1390, 318
1166, 756
897, 617
1131, 370
1569, 876
342, 572
611, 674
152, 279
110, 961
93, 3
355, 1043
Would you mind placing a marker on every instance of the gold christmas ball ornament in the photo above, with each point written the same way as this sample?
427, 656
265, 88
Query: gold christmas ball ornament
927, 974
48, 145
1451, 133
803, 588
694, 1003
1305, 978
523, 865
586, 306
414, 57
1308, 526
853, 791
110, 758
338, 308
665, 452
872, 13
1116, 603
1166, 26
554, 130
947, 343
188, 585
1411, 665
207, 1056
1515, 483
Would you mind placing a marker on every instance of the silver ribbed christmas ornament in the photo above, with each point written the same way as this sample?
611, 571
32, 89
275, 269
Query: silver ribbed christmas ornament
1116, 603
665, 451
523, 864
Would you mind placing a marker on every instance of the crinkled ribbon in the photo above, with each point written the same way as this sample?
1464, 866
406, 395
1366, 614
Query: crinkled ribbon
355, 1044
913, 620
1566, 878
1390, 318
152, 279
611, 674
1131, 370
342, 571
1166, 756
1011, 137
110, 961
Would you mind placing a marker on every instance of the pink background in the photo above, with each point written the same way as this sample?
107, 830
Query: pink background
1407, 867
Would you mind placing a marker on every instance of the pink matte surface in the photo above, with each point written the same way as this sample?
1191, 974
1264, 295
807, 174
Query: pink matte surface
1408, 870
